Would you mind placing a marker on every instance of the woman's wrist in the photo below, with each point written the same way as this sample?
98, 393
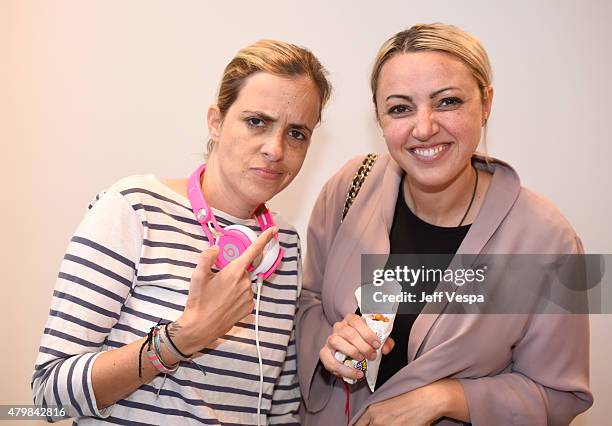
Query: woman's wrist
451, 401
434, 400
168, 358
184, 339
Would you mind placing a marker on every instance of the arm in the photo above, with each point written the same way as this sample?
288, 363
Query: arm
313, 325
551, 388
549, 382
94, 281
546, 382
420, 407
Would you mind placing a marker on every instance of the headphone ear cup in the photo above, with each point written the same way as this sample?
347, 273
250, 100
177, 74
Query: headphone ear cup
247, 232
271, 257
236, 239
232, 243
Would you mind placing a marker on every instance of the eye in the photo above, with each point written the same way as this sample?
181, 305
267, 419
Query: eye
255, 122
399, 109
296, 134
450, 103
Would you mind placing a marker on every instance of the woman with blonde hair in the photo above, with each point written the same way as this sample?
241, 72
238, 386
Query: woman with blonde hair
432, 194
169, 308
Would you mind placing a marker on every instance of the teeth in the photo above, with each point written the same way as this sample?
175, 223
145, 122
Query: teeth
429, 152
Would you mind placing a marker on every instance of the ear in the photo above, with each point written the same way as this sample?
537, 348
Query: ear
214, 119
487, 104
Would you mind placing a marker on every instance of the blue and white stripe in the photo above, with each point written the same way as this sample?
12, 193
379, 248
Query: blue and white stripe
128, 265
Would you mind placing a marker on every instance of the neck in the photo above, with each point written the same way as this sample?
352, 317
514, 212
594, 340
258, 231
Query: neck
445, 205
218, 195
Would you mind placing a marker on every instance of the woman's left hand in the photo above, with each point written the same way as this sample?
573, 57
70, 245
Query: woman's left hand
419, 407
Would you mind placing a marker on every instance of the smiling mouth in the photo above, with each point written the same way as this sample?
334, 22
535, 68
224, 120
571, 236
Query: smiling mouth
431, 153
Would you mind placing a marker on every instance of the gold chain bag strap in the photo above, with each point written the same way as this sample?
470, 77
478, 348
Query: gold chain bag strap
360, 177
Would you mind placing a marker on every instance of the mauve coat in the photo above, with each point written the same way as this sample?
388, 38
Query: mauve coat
514, 369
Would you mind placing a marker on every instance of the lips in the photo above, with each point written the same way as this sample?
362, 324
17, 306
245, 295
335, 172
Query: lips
267, 173
430, 153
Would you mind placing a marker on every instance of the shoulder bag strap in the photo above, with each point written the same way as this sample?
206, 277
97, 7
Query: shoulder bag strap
358, 180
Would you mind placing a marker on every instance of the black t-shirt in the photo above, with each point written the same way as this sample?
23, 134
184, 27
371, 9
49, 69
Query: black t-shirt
411, 235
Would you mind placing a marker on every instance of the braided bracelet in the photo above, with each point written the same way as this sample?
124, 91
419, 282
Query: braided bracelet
166, 340
155, 357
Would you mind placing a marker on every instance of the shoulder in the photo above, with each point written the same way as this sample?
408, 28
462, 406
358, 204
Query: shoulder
530, 208
114, 218
285, 228
138, 184
541, 224
528, 222
136, 190
540, 211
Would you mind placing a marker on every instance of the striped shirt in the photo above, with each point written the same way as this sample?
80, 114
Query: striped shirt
128, 265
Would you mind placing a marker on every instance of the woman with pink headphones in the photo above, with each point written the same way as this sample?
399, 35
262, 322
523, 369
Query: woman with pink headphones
168, 306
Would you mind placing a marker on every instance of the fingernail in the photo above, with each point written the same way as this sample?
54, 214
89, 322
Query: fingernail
275, 230
376, 344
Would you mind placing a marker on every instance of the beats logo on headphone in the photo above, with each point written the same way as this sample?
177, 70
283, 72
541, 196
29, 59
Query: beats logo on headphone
230, 251
233, 240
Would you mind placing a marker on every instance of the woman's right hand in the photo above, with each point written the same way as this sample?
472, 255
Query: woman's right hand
216, 301
354, 338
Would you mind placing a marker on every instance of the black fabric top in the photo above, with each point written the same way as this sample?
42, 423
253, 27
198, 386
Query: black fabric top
411, 235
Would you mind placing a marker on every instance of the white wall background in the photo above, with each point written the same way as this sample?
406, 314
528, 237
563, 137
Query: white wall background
91, 91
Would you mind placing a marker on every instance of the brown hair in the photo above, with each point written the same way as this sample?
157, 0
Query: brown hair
274, 57
436, 37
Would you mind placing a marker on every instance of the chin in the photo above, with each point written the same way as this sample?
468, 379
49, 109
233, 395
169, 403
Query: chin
434, 179
258, 196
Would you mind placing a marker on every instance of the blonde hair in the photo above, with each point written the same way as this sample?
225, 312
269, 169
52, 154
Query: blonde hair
274, 57
441, 38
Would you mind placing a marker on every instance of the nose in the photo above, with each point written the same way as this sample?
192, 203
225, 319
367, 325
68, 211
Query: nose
426, 126
273, 147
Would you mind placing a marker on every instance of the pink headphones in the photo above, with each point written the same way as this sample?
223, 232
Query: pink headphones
234, 239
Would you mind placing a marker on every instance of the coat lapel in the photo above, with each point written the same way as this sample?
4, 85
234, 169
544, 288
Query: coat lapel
499, 199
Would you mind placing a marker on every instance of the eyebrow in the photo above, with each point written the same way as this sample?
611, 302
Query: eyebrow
267, 117
431, 95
